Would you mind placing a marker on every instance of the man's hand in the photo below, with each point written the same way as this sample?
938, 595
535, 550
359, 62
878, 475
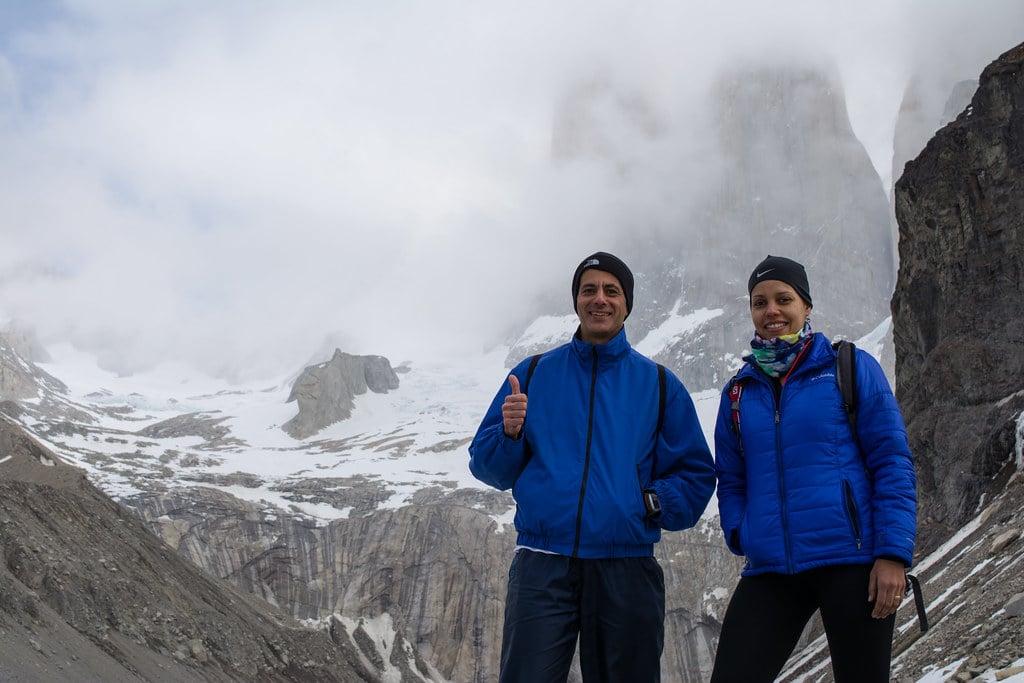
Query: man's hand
514, 409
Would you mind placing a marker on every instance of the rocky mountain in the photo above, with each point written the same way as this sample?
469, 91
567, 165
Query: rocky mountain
325, 392
236, 551
957, 329
88, 593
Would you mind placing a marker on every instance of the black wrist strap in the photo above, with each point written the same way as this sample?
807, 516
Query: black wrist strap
914, 585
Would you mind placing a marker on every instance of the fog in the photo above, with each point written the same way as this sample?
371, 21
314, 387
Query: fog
246, 186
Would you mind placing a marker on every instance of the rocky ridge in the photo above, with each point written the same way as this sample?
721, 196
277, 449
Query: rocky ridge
88, 593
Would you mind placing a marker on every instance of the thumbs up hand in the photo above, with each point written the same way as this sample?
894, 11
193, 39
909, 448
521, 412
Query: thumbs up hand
514, 409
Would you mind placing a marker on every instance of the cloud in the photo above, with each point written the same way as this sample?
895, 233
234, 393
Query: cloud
239, 184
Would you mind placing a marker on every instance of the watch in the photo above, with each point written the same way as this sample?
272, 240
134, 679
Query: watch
651, 503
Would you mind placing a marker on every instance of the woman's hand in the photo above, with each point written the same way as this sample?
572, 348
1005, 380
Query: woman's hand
886, 586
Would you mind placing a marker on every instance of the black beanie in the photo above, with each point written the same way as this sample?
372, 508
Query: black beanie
609, 264
782, 269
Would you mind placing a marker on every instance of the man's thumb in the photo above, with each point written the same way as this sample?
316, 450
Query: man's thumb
513, 382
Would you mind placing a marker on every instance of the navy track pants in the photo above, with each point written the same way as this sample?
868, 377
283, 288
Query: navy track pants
616, 607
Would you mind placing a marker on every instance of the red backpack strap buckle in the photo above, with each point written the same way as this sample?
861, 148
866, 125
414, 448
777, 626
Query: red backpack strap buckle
735, 391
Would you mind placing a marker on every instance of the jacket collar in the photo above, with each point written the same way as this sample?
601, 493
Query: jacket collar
617, 347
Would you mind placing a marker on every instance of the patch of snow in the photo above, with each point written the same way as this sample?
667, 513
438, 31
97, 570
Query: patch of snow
674, 327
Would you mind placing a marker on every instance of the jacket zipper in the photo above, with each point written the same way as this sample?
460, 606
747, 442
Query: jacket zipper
586, 459
788, 541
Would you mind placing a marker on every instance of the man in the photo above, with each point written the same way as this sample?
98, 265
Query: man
606, 452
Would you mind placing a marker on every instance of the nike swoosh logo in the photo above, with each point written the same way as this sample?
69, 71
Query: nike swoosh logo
763, 272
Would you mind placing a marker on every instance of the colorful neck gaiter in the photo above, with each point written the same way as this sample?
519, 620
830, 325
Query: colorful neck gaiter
775, 356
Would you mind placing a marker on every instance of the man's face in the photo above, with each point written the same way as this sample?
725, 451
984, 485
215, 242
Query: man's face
600, 305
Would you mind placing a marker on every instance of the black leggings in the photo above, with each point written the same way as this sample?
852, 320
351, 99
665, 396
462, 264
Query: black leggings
768, 612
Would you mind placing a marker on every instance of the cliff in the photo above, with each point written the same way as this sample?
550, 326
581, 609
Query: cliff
957, 329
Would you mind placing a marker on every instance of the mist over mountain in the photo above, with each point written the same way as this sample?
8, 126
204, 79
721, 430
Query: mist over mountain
764, 194
245, 189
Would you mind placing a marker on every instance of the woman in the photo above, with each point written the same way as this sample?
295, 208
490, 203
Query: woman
826, 518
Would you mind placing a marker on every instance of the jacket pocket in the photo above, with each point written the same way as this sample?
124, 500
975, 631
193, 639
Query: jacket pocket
853, 516
734, 541
639, 497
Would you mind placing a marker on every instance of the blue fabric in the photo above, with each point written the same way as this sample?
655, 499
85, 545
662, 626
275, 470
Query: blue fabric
588, 449
800, 494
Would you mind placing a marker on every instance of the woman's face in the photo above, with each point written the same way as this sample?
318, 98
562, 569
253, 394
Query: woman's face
776, 309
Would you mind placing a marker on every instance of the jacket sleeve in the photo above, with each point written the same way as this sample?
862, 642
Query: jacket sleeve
730, 470
494, 458
883, 442
684, 474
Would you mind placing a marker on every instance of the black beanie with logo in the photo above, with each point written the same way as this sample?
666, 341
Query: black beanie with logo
609, 264
782, 269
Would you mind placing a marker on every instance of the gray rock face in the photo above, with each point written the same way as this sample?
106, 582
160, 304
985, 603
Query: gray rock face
326, 392
438, 567
958, 331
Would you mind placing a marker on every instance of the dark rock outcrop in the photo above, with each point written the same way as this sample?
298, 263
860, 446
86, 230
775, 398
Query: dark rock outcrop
958, 331
923, 111
326, 392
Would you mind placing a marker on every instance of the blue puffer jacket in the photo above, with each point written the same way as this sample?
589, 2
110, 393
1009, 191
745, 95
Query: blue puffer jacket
589, 448
800, 494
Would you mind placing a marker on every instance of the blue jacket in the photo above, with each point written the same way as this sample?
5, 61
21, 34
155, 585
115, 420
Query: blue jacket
589, 448
801, 493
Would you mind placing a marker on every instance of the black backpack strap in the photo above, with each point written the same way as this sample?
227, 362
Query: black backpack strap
661, 397
662, 381
846, 377
529, 372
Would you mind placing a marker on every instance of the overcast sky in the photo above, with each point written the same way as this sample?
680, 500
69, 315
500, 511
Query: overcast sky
247, 185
